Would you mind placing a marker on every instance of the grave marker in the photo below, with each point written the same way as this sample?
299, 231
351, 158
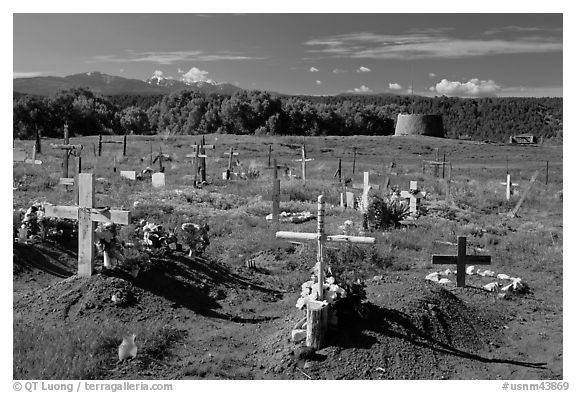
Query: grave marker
158, 180
509, 187
130, 175
414, 195
19, 155
87, 216
304, 160
461, 260
275, 196
316, 312
69, 149
339, 171
231, 154
365, 186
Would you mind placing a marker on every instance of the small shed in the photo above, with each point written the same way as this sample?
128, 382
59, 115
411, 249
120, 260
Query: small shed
523, 139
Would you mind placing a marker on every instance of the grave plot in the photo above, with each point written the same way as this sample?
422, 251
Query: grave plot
231, 312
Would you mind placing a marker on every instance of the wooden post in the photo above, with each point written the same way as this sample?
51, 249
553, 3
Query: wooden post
37, 146
354, 161
508, 187
519, 204
321, 240
99, 145
66, 153
304, 160
461, 260
151, 155
443, 165
124, 146
87, 217
448, 181
339, 171
230, 153
202, 157
269, 154
275, 196
546, 182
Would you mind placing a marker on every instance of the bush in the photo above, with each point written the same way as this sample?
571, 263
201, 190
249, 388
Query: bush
384, 213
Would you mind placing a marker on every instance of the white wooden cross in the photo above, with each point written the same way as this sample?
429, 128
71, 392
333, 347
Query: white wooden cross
316, 323
87, 216
276, 197
366, 187
461, 260
509, 187
304, 161
231, 154
414, 195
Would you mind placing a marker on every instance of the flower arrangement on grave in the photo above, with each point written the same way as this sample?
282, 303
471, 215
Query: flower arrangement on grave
385, 212
106, 236
195, 237
34, 223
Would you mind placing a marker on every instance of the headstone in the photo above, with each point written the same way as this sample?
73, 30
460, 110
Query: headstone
130, 175
18, 155
158, 180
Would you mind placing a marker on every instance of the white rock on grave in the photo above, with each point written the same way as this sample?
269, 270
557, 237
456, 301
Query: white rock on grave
491, 287
444, 281
433, 277
470, 270
486, 273
502, 276
128, 348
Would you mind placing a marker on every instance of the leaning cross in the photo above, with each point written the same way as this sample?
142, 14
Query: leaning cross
316, 312
461, 260
87, 216
276, 197
304, 161
231, 154
414, 195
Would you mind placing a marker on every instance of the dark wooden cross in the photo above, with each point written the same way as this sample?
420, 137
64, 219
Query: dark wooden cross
87, 216
231, 154
69, 149
275, 196
196, 165
461, 260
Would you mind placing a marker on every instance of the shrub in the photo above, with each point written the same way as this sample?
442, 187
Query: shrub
385, 213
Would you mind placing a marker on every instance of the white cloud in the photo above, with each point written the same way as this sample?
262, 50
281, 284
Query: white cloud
394, 86
431, 75
473, 88
428, 44
361, 89
318, 82
158, 74
196, 75
172, 57
338, 71
27, 74
314, 69
363, 69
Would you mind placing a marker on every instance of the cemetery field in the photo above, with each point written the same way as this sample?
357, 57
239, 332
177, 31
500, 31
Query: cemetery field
228, 312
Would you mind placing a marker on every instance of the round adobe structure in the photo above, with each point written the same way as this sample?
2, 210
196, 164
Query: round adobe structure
429, 125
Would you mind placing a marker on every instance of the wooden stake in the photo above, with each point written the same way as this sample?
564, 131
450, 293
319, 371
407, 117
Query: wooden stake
99, 145
546, 182
354, 161
66, 153
519, 204
124, 146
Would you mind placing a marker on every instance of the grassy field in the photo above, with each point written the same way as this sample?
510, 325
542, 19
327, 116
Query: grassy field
528, 246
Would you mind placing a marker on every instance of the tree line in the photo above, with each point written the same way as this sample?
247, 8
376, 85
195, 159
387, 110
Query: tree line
264, 113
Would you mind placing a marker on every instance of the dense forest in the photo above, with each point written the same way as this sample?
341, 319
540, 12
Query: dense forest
263, 113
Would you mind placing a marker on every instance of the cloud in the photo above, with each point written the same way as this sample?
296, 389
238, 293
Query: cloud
526, 91
180, 70
167, 58
318, 83
522, 29
196, 75
338, 71
428, 44
431, 75
361, 90
363, 69
313, 69
473, 88
31, 74
395, 86
158, 74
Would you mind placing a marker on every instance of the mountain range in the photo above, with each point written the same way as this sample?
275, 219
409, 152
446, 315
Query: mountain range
116, 85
